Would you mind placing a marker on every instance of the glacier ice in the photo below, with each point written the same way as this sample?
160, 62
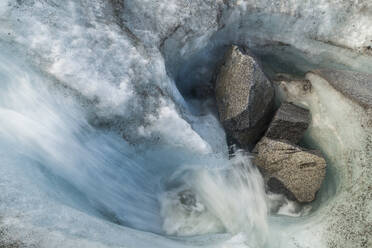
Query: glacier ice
95, 115
340, 127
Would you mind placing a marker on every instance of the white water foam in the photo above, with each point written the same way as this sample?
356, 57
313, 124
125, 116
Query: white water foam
93, 130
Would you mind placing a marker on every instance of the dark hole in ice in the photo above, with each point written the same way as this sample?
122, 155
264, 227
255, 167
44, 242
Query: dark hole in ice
187, 198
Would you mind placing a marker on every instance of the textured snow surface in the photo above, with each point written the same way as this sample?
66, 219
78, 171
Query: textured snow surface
97, 124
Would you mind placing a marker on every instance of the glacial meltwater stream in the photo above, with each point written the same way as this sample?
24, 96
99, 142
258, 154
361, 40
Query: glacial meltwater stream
103, 145
60, 172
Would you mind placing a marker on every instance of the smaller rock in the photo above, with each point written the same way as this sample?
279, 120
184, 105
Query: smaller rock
290, 169
290, 123
187, 198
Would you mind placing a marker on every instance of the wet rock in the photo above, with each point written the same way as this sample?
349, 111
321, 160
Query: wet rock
289, 123
245, 97
187, 199
290, 169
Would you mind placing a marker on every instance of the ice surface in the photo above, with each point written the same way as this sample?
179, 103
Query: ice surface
340, 128
96, 119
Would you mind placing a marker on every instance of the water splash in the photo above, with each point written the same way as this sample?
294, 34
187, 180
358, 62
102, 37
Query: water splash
222, 196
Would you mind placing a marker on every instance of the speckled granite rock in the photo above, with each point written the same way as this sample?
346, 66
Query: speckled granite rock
290, 169
245, 97
289, 123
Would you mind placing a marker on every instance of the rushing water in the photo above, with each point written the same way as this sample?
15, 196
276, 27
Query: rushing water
57, 168
100, 144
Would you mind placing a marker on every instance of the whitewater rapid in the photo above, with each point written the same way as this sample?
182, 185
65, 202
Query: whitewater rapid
62, 175
100, 137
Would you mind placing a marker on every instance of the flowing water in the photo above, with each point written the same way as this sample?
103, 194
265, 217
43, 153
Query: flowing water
61, 172
100, 143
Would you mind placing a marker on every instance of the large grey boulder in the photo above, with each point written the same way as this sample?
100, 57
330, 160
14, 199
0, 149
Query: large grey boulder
290, 169
245, 97
289, 123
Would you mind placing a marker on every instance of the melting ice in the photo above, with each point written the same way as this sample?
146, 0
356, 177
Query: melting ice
100, 145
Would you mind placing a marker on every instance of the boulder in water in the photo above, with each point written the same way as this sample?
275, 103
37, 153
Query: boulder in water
290, 169
289, 123
245, 97
187, 198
